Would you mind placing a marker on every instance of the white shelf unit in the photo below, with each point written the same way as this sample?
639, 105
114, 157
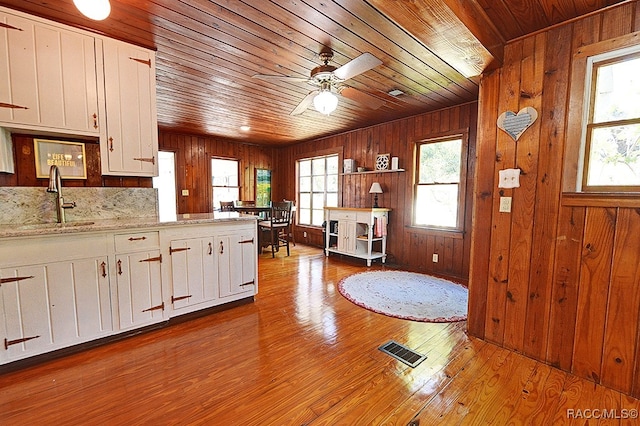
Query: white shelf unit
356, 232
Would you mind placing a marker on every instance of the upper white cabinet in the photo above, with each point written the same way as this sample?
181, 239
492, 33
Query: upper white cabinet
58, 80
131, 136
48, 77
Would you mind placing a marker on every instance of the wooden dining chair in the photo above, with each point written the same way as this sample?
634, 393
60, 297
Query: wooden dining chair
277, 227
226, 206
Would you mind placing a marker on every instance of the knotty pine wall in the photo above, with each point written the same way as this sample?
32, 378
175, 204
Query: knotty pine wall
558, 278
407, 247
193, 167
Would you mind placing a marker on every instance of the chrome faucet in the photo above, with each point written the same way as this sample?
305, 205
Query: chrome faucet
55, 186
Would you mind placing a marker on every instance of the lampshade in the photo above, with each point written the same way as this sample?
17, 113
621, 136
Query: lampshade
375, 188
94, 9
325, 102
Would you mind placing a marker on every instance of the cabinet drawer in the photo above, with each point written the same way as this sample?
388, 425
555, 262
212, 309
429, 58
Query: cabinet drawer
134, 241
364, 217
343, 215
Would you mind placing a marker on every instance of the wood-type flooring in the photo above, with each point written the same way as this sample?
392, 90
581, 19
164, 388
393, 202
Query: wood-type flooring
302, 354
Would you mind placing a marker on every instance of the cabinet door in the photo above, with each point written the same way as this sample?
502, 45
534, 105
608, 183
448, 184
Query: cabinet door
139, 289
193, 272
48, 77
236, 264
51, 306
131, 145
347, 236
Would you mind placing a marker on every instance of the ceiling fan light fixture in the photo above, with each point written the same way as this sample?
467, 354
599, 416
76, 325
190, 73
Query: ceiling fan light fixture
325, 102
94, 9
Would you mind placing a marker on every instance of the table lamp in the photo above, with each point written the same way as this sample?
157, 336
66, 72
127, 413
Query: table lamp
375, 189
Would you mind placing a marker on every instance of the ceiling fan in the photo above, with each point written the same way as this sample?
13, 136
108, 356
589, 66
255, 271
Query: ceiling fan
329, 82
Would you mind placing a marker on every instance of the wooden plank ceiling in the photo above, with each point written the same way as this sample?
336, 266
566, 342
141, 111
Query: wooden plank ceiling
209, 50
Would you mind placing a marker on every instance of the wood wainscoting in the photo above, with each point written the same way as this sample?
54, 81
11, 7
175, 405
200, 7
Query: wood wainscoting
300, 354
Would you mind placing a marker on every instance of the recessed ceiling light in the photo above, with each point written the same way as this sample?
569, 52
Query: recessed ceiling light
245, 128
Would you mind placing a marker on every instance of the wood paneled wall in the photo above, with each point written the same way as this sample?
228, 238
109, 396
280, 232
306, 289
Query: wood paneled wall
25, 168
407, 246
193, 167
557, 281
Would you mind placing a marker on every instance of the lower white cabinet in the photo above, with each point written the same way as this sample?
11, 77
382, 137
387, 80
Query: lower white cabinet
54, 305
194, 279
59, 290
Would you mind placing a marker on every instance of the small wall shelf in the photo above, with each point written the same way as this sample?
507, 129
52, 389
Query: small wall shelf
373, 171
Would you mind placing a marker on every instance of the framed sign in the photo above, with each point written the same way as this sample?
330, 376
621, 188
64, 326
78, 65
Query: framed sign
68, 156
263, 187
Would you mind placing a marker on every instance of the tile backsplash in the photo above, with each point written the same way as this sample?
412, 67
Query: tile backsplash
27, 205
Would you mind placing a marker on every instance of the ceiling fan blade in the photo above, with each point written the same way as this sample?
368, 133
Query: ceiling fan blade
362, 63
281, 78
304, 104
361, 97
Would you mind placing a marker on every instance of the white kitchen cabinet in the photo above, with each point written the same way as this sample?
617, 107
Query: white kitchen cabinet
130, 144
138, 279
237, 253
54, 305
357, 231
194, 279
48, 79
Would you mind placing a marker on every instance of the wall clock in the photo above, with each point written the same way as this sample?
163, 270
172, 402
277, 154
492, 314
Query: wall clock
382, 162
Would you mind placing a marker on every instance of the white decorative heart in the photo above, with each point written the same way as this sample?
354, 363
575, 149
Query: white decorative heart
515, 124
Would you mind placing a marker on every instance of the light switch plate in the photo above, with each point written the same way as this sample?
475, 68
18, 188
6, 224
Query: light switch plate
185, 192
505, 204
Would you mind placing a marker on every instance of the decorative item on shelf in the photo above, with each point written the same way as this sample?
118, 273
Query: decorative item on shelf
348, 165
94, 9
382, 162
375, 189
394, 163
361, 169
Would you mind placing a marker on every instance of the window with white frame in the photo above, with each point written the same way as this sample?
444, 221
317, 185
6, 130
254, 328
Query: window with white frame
224, 180
611, 122
439, 183
317, 188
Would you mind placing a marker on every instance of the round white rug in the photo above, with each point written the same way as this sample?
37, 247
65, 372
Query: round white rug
407, 295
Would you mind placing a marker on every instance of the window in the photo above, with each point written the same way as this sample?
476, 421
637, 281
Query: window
611, 130
317, 188
439, 189
224, 178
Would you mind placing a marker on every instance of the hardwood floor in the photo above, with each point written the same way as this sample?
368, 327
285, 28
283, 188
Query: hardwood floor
301, 354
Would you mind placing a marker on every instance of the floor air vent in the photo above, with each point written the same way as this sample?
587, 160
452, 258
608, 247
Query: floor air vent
402, 353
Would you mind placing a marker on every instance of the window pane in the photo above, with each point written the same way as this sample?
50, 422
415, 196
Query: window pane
305, 184
305, 201
617, 91
224, 194
318, 183
318, 200
332, 165
332, 183
437, 205
317, 166
614, 156
440, 161
318, 217
332, 199
304, 167
305, 216
224, 172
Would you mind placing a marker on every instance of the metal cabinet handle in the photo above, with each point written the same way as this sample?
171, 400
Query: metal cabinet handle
104, 269
119, 264
221, 248
111, 144
95, 121
210, 249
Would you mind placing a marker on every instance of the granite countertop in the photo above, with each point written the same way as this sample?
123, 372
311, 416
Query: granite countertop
35, 229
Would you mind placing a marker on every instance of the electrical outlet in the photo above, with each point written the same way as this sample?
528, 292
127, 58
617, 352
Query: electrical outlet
505, 204
435, 258
185, 192
304, 234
